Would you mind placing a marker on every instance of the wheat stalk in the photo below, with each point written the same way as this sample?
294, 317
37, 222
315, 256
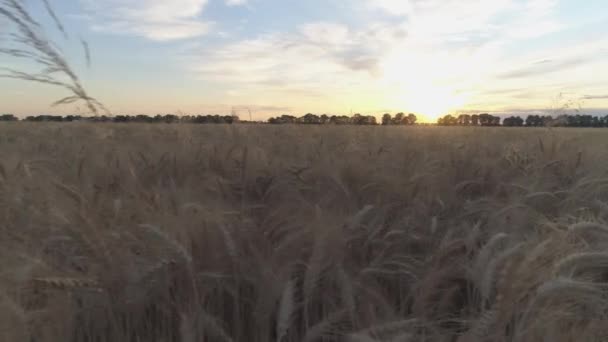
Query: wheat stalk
583, 262
66, 283
285, 312
30, 43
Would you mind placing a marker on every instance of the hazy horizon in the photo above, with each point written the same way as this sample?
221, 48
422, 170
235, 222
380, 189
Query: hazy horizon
365, 56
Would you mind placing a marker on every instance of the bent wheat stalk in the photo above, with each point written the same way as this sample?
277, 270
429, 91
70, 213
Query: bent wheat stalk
28, 42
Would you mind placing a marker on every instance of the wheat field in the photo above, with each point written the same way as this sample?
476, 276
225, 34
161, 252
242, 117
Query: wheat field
190, 233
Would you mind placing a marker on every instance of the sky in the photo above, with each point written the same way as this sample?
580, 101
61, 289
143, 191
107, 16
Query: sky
270, 57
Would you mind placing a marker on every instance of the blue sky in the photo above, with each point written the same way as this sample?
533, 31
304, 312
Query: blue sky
334, 56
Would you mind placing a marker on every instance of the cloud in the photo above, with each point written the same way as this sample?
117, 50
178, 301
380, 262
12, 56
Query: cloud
157, 20
595, 97
394, 7
405, 54
473, 20
236, 2
262, 108
544, 67
398, 58
316, 55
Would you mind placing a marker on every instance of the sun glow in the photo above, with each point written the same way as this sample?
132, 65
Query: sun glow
428, 101
425, 85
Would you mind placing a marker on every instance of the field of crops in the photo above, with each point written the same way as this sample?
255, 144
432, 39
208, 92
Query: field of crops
142, 232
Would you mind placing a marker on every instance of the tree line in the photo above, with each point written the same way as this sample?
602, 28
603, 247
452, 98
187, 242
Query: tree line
313, 119
578, 120
469, 120
166, 118
357, 119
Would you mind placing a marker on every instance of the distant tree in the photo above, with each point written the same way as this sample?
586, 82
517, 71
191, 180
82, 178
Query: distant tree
398, 119
218, 119
229, 119
581, 120
283, 119
170, 118
357, 119
309, 119
485, 119
533, 121
122, 118
387, 119
411, 119
44, 118
495, 120
560, 121
546, 120
475, 120
71, 118
586, 121
339, 120
513, 121
143, 118
8, 117
100, 118
370, 120
464, 120
448, 120
519, 121
288, 119
573, 120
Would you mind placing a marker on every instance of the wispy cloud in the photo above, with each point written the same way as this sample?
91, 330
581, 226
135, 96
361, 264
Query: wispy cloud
236, 2
401, 54
314, 55
158, 20
595, 97
469, 29
544, 67
394, 7
416, 48
465, 20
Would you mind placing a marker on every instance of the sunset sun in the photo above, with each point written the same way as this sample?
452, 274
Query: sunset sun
424, 85
432, 102
428, 101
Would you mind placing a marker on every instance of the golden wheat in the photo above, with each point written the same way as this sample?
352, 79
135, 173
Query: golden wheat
265, 233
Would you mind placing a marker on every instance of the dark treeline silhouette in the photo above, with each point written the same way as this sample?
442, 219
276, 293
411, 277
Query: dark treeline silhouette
8, 117
314, 119
357, 119
469, 120
399, 119
530, 121
513, 121
167, 118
